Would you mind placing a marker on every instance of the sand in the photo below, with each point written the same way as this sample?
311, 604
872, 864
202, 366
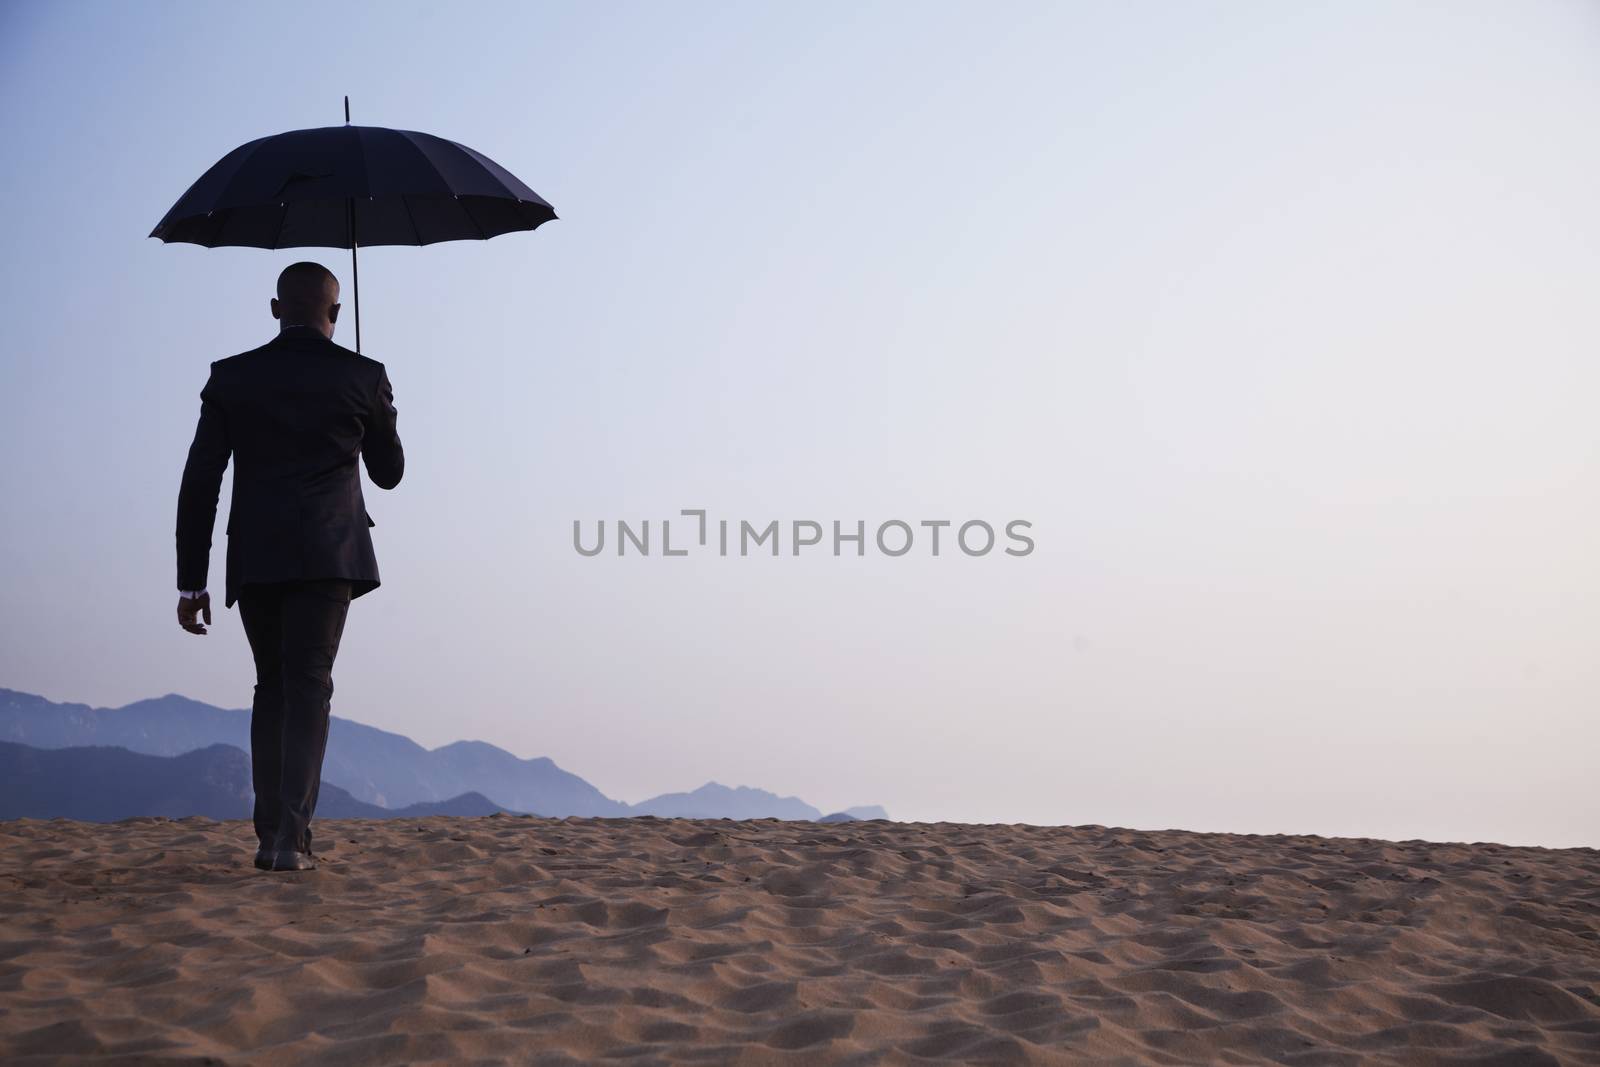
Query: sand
644, 941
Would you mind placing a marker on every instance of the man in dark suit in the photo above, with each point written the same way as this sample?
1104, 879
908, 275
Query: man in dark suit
294, 413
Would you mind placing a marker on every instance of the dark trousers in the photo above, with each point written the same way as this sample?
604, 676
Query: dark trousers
294, 630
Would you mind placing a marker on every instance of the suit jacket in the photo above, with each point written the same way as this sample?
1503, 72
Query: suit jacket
294, 414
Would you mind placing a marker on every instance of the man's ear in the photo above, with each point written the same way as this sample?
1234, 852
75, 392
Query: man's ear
275, 310
333, 313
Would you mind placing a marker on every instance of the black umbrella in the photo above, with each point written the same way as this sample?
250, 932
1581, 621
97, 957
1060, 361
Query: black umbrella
351, 186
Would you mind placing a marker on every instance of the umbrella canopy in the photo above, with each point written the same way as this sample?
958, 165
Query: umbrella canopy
344, 186
348, 186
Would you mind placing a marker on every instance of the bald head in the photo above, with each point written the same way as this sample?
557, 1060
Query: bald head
308, 295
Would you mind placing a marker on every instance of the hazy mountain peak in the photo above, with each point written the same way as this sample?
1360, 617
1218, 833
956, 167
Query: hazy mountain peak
717, 801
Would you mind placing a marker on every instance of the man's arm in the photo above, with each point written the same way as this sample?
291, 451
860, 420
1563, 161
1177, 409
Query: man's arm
380, 444
197, 506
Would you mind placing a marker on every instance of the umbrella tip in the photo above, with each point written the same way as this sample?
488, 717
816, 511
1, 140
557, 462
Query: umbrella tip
347, 110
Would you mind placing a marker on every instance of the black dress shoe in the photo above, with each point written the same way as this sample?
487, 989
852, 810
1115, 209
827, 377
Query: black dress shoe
263, 858
288, 859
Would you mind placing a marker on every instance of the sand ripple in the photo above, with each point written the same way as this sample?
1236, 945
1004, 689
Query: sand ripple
649, 941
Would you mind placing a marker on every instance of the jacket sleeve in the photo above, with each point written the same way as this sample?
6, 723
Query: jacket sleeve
197, 495
380, 443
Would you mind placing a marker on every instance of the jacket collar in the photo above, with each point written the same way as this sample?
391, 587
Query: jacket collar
300, 335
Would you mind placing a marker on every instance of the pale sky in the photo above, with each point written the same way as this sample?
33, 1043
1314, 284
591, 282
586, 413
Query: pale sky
1276, 320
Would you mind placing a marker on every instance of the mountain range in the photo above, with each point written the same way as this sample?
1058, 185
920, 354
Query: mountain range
367, 772
104, 784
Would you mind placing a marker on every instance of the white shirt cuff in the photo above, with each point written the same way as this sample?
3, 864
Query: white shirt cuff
192, 594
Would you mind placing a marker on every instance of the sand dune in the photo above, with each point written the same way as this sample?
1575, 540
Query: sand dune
644, 941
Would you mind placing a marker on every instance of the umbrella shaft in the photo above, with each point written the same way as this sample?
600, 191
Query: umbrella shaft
355, 270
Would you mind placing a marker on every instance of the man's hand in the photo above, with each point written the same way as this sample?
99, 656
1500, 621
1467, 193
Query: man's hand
190, 608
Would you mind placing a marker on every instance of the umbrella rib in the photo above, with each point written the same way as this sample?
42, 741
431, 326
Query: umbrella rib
216, 219
283, 217
467, 210
410, 138
405, 202
227, 185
